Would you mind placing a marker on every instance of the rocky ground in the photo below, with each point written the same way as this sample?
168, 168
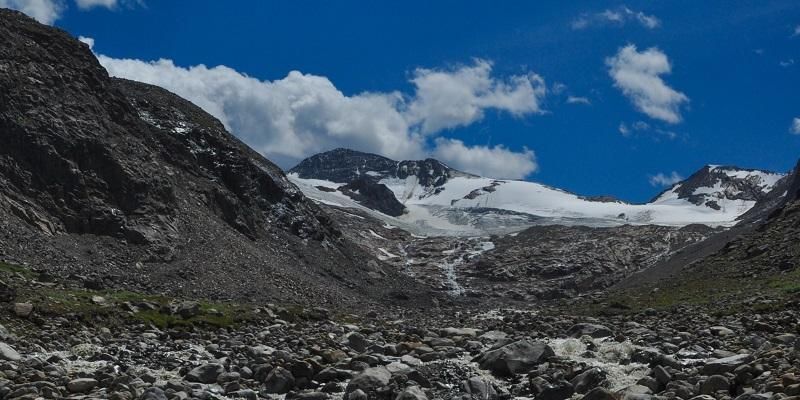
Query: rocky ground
61, 340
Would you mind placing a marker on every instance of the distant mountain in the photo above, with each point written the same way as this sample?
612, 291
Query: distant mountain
440, 199
719, 186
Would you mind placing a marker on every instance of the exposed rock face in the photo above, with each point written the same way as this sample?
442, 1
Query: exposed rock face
345, 165
101, 177
373, 195
713, 183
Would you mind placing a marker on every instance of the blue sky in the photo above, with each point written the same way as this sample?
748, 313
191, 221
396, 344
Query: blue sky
593, 97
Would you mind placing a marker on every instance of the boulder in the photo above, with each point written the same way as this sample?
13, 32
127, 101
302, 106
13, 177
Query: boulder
23, 310
369, 380
479, 389
279, 380
412, 393
8, 353
715, 383
515, 358
727, 364
586, 329
82, 385
206, 373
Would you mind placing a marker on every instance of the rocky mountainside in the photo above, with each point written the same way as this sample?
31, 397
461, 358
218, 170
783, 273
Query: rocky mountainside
441, 201
123, 184
755, 261
718, 186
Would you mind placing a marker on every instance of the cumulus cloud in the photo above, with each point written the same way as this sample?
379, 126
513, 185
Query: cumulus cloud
660, 179
448, 99
87, 4
44, 11
638, 75
795, 128
618, 16
497, 161
578, 100
302, 114
796, 31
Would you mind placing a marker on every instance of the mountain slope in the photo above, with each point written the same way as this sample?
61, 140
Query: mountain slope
440, 199
755, 261
125, 184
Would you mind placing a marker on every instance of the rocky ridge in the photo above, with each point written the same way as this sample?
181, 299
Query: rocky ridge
126, 185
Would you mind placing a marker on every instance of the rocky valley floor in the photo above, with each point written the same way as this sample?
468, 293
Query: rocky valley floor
61, 340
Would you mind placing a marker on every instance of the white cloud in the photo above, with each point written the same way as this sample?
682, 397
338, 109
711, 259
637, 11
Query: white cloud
497, 161
448, 99
619, 16
795, 129
87, 4
87, 40
292, 118
578, 100
796, 31
638, 76
44, 11
661, 179
786, 63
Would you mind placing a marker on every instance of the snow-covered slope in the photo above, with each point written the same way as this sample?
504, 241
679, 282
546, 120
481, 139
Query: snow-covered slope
458, 203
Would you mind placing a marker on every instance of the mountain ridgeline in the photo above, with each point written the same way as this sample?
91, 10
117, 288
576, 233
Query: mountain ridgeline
435, 195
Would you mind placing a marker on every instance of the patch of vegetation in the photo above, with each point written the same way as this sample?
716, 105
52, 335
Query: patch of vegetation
16, 269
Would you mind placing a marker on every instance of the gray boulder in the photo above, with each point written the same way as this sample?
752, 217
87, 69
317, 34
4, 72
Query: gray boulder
727, 364
280, 380
369, 380
8, 353
515, 358
586, 329
206, 373
412, 393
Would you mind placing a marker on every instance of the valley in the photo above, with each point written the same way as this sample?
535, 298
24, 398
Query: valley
148, 253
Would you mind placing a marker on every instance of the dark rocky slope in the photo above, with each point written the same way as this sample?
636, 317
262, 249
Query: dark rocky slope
123, 184
758, 260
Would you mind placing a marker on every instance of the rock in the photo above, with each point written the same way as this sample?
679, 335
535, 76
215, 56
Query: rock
559, 390
463, 332
332, 374
599, 393
82, 385
357, 342
23, 310
8, 353
588, 380
412, 393
153, 393
357, 394
713, 384
309, 396
7, 293
369, 380
206, 373
279, 380
479, 389
727, 364
187, 309
515, 358
720, 331
586, 329
662, 376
